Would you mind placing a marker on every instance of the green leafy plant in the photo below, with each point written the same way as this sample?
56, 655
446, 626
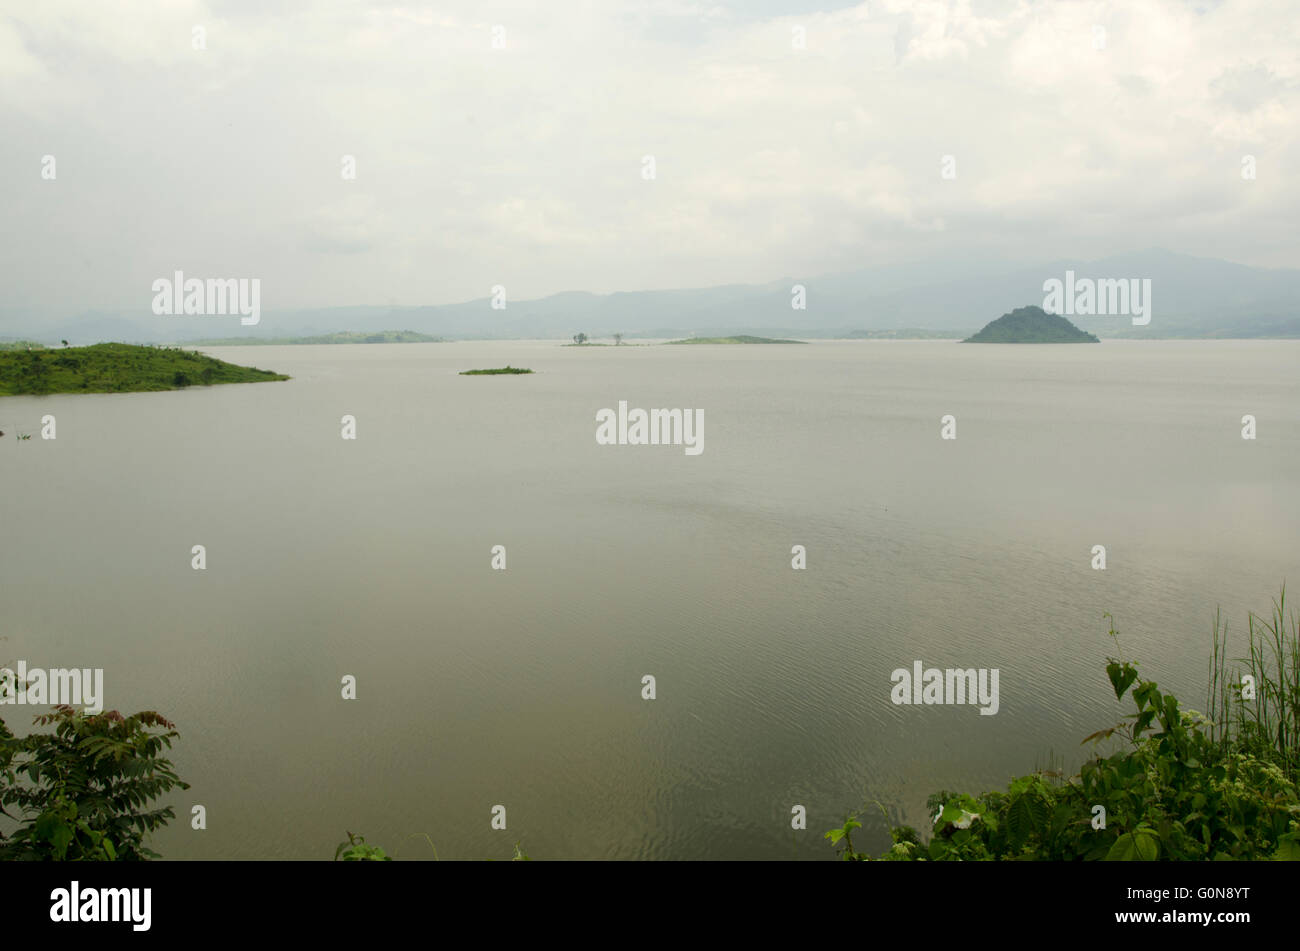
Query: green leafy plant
86, 791
1182, 787
845, 834
355, 849
1255, 706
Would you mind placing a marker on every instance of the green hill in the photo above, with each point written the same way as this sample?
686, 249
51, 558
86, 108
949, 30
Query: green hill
1031, 325
117, 368
742, 338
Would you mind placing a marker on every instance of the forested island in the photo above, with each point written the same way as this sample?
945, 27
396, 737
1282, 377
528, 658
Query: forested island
1031, 325
117, 368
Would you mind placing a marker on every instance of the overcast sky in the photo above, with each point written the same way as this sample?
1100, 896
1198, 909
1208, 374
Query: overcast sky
523, 166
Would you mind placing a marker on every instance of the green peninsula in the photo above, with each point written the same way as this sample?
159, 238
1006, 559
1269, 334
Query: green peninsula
117, 368
1031, 325
497, 371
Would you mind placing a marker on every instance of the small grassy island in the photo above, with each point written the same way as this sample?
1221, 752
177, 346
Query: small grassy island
117, 368
343, 336
1031, 325
495, 372
741, 338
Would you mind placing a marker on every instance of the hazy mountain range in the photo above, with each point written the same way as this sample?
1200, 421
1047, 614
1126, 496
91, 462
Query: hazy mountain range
1191, 297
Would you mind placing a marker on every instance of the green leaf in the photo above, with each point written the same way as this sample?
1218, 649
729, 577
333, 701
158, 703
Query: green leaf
61, 839
1139, 846
1171, 718
1288, 849
1146, 693
1121, 677
1096, 853
45, 825
1026, 816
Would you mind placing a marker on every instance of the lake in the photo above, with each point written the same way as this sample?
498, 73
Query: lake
522, 687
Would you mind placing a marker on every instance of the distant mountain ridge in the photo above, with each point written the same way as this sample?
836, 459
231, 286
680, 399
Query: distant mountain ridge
383, 336
739, 339
1191, 297
1031, 325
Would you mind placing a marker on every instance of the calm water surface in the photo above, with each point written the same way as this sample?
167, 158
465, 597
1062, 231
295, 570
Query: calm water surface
523, 687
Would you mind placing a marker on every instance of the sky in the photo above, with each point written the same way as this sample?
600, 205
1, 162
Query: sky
506, 143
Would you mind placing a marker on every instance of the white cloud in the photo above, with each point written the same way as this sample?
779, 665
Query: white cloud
478, 166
